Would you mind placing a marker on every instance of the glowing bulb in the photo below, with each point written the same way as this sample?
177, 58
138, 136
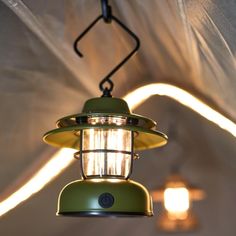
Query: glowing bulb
106, 152
176, 202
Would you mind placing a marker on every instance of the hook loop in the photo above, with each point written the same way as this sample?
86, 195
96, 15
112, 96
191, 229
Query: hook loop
106, 90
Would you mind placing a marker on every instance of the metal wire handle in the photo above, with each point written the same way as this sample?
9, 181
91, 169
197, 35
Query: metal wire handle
108, 18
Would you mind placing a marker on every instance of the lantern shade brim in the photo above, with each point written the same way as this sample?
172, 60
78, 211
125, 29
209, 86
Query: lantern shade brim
69, 137
68, 132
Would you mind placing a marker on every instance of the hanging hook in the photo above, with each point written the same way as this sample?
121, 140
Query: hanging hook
116, 68
82, 35
108, 18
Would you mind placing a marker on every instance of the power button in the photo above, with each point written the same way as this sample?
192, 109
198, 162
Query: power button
106, 200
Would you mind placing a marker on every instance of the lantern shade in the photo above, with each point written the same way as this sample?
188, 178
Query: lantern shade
69, 137
101, 197
68, 133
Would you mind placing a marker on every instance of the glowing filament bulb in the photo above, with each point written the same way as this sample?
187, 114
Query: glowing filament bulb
105, 149
176, 202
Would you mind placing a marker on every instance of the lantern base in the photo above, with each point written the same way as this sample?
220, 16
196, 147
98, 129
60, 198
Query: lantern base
104, 197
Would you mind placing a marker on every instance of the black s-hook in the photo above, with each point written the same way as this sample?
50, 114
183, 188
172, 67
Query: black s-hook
108, 18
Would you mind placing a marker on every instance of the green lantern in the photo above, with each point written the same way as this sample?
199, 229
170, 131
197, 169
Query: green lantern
106, 135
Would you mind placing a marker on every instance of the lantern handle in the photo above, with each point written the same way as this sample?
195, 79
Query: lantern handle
108, 18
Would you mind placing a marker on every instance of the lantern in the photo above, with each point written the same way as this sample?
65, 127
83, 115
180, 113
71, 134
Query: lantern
177, 197
107, 135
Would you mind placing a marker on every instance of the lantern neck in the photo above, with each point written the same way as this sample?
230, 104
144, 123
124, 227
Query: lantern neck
106, 93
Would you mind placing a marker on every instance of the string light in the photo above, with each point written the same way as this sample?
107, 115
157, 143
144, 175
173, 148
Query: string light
138, 96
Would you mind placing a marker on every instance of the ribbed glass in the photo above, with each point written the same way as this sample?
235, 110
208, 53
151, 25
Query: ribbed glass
102, 152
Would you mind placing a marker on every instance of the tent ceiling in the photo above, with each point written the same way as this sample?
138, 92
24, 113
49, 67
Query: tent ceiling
184, 42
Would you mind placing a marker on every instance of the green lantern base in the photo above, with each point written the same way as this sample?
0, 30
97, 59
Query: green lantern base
104, 197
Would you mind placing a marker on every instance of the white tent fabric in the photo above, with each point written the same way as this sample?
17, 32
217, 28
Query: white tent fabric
183, 42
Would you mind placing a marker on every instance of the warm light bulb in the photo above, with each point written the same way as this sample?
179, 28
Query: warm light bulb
176, 202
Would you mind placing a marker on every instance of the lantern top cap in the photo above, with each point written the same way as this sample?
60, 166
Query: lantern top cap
106, 105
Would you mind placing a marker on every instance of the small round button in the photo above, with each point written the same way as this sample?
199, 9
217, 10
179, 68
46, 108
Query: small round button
106, 200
